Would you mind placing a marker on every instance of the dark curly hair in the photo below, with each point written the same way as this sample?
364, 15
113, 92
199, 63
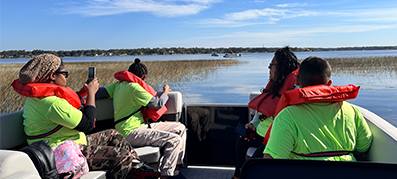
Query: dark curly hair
287, 62
137, 68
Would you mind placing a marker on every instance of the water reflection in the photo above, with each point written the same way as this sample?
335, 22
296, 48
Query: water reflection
179, 73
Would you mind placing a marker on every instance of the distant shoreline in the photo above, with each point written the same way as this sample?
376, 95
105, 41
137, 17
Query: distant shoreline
177, 51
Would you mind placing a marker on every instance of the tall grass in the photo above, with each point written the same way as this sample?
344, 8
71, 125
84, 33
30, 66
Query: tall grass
177, 72
160, 73
364, 66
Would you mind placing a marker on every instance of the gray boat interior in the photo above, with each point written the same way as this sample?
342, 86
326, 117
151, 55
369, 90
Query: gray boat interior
210, 139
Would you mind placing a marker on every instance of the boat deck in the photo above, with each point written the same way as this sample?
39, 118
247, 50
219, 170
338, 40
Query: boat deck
205, 172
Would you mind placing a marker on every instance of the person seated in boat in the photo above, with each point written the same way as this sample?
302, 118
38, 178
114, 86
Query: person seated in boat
315, 122
135, 103
55, 113
282, 69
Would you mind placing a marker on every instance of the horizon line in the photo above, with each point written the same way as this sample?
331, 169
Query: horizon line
376, 46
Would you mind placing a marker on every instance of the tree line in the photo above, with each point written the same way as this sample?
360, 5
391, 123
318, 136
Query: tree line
172, 50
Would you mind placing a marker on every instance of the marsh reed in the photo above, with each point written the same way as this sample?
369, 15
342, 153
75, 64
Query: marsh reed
160, 73
179, 72
364, 66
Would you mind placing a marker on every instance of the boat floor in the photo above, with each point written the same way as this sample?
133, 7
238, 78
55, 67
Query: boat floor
207, 172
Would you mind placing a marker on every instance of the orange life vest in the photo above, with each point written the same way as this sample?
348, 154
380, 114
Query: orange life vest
38, 90
148, 113
318, 93
47, 89
266, 102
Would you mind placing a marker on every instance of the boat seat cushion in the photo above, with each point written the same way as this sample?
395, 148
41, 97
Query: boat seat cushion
148, 154
250, 152
105, 110
94, 175
16, 164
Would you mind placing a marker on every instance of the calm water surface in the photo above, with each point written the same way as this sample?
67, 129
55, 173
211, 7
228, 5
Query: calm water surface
233, 84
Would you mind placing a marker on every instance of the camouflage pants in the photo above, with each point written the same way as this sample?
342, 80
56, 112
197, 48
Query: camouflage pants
108, 150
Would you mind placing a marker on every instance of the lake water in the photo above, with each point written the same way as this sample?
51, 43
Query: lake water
233, 84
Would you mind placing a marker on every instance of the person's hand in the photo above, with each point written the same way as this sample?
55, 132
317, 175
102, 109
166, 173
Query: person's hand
166, 89
250, 131
250, 126
92, 87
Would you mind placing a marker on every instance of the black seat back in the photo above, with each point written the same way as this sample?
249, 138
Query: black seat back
257, 168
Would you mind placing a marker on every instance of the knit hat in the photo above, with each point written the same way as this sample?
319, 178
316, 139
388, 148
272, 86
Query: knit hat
39, 68
138, 68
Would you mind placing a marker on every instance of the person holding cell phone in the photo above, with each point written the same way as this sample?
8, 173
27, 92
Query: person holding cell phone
281, 78
55, 113
132, 101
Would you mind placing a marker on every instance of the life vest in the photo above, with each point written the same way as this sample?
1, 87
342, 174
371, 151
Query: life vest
37, 90
148, 113
311, 94
266, 102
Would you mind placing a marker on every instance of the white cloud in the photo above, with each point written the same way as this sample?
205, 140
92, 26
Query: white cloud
274, 37
225, 23
292, 5
352, 28
251, 17
254, 17
375, 15
255, 13
202, 1
269, 12
167, 8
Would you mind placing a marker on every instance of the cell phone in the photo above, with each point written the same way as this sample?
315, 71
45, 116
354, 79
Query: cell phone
240, 129
91, 74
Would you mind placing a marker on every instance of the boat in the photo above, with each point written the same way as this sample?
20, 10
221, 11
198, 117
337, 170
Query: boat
214, 54
229, 55
210, 145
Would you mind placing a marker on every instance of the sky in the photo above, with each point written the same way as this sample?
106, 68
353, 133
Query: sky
128, 24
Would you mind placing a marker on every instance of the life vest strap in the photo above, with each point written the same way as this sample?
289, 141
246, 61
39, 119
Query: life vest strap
126, 117
324, 154
82, 102
46, 134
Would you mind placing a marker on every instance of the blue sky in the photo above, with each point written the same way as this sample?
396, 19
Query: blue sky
126, 24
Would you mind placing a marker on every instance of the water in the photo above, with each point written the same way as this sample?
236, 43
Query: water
233, 84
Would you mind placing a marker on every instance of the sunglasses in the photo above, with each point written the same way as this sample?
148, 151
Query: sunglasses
64, 73
271, 64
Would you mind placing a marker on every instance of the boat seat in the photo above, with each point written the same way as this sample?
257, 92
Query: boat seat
148, 154
174, 108
251, 114
94, 175
12, 136
312, 169
22, 169
250, 153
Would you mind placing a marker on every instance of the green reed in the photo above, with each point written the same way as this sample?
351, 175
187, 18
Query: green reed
160, 73
177, 72
364, 66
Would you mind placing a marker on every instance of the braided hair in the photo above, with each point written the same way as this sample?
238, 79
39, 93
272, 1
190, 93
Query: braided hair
137, 68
